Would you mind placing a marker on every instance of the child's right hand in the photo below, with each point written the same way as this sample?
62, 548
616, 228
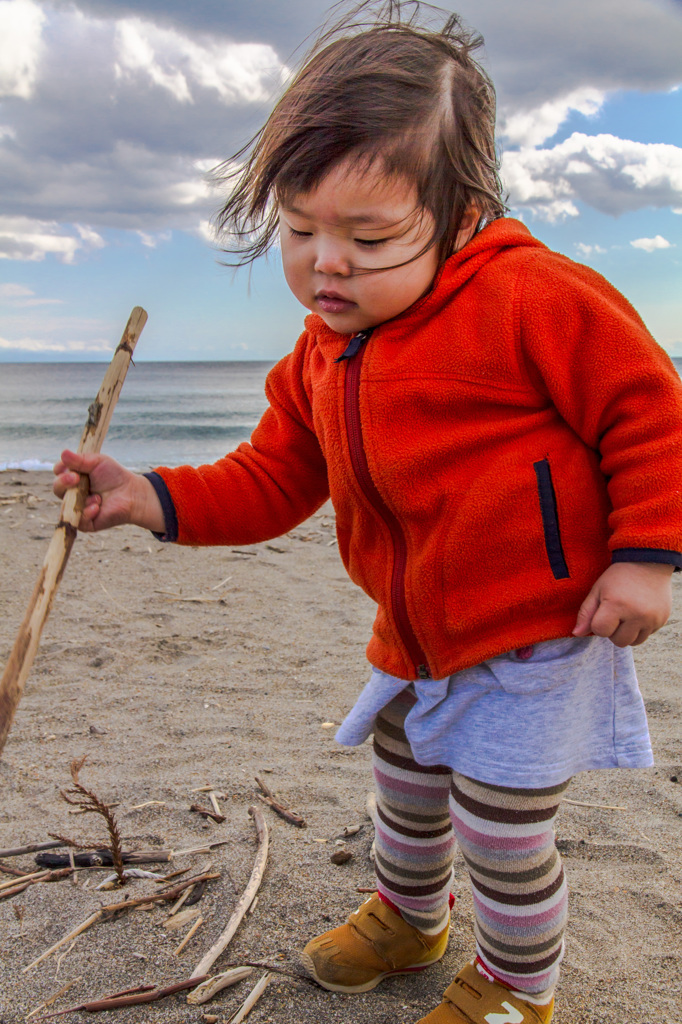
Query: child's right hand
116, 495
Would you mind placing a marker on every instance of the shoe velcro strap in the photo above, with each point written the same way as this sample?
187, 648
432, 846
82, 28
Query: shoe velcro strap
377, 915
487, 1002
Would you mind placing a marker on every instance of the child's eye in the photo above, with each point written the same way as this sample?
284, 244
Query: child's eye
299, 234
370, 243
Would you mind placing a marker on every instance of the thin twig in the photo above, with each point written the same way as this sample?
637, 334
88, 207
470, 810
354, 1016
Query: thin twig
278, 808
113, 908
251, 1000
67, 938
604, 807
18, 851
129, 997
53, 998
246, 900
185, 896
195, 928
43, 876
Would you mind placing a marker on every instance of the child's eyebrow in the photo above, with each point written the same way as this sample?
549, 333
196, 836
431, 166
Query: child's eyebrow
375, 220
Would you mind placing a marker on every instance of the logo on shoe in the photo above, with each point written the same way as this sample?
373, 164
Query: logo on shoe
512, 1016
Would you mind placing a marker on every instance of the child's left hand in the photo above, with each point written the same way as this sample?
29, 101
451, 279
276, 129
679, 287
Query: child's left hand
629, 602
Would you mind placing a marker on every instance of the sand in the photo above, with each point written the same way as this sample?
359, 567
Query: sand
165, 694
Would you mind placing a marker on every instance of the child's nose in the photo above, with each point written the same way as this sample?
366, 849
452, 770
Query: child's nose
330, 259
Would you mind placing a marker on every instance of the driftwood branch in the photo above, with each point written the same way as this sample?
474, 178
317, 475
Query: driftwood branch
284, 812
208, 989
245, 902
137, 996
28, 637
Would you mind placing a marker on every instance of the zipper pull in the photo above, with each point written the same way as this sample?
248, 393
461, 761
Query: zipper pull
355, 344
423, 672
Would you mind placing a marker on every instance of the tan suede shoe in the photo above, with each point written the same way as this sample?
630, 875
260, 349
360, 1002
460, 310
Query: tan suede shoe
472, 999
373, 944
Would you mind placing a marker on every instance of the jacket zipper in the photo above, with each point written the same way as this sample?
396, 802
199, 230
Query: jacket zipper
354, 355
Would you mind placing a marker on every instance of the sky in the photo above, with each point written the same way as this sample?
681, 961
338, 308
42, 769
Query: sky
113, 113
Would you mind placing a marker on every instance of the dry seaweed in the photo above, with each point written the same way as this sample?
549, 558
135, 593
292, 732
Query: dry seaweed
90, 803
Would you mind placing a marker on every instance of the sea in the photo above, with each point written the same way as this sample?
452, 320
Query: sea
169, 414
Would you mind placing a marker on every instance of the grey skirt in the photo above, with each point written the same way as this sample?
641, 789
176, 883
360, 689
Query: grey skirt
530, 719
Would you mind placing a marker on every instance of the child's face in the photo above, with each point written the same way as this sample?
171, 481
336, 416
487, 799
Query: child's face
356, 221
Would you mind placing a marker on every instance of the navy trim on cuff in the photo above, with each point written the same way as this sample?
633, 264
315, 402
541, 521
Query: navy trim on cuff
167, 507
660, 555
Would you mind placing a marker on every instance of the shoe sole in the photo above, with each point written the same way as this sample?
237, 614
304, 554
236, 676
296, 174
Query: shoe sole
307, 962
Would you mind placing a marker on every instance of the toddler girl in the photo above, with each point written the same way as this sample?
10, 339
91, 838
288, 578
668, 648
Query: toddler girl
502, 442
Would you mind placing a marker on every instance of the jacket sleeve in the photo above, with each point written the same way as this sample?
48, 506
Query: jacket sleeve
586, 348
266, 487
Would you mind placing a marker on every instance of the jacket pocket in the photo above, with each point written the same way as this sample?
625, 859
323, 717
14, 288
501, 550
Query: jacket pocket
550, 520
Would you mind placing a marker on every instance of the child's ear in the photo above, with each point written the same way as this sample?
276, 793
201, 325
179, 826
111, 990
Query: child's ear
467, 227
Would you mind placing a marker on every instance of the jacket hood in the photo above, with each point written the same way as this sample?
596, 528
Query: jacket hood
498, 236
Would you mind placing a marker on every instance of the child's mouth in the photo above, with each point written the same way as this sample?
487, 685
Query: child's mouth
331, 302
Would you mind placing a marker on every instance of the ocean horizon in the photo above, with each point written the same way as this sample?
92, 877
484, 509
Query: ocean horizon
168, 413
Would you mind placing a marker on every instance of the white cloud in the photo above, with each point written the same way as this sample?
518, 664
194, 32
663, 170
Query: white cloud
18, 296
152, 241
237, 72
42, 345
21, 26
532, 127
612, 175
22, 238
14, 291
590, 250
651, 244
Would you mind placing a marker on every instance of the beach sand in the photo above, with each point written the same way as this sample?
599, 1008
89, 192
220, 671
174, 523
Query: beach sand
166, 694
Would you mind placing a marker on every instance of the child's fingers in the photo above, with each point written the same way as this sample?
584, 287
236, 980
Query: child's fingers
585, 614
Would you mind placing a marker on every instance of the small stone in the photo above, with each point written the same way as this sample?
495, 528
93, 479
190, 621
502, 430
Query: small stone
341, 857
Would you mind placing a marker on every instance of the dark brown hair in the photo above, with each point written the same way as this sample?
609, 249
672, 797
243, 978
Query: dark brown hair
382, 83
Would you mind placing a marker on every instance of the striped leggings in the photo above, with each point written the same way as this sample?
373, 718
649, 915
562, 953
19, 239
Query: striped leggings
506, 837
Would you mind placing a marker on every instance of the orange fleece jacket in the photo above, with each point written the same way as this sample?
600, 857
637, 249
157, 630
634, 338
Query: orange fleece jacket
519, 425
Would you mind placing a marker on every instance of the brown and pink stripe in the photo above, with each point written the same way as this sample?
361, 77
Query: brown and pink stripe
506, 837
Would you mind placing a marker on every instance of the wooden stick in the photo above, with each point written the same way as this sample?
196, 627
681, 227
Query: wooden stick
168, 894
28, 637
23, 878
251, 1000
53, 998
604, 807
278, 808
43, 876
7, 870
113, 908
245, 902
19, 851
204, 992
185, 896
62, 942
195, 928
143, 994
